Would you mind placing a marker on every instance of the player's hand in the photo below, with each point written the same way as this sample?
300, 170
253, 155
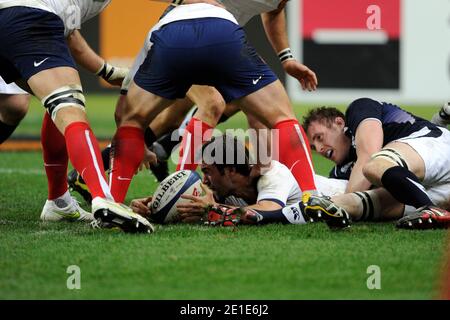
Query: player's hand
114, 75
302, 73
149, 159
141, 206
213, 2
197, 205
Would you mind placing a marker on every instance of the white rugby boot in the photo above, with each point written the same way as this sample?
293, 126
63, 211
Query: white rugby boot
111, 213
65, 208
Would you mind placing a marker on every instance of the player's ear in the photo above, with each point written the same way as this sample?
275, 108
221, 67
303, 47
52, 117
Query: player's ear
339, 121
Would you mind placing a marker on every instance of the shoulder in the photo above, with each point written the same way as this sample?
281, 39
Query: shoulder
360, 110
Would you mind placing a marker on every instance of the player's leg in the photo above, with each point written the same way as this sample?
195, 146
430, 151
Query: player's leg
210, 106
59, 205
272, 107
13, 108
400, 170
60, 91
407, 167
167, 126
128, 143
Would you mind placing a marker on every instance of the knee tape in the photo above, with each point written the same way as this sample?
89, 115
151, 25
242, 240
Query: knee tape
392, 156
67, 96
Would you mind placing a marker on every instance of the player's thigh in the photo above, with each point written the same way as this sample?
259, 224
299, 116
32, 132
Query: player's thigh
386, 159
13, 107
413, 160
47, 81
270, 104
142, 106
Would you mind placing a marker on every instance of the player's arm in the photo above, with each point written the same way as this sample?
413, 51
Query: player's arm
86, 57
368, 140
274, 23
178, 2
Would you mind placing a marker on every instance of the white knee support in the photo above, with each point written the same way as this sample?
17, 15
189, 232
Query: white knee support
67, 96
392, 156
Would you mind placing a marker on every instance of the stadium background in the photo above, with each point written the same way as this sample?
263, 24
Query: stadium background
276, 262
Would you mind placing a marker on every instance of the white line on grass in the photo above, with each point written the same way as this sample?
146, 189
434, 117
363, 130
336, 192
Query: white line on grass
39, 172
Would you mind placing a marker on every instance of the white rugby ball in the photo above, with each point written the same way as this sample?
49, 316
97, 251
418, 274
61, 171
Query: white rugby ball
168, 195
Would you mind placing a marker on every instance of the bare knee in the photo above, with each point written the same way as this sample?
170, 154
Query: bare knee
373, 171
13, 108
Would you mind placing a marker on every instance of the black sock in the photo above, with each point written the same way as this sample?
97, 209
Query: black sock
168, 144
6, 131
149, 137
405, 187
274, 216
105, 157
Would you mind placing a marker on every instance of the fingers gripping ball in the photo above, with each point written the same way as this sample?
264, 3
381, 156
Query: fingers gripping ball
168, 195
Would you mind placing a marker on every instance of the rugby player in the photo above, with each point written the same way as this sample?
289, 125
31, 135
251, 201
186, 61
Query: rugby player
14, 104
239, 191
159, 82
211, 107
381, 145
36, 55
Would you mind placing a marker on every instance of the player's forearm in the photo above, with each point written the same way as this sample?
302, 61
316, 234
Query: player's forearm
275, 27
358, 181
83, 53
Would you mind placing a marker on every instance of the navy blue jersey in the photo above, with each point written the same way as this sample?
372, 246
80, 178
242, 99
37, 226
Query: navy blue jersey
396, 123
343, 171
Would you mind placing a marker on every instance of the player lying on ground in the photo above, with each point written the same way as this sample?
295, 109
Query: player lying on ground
250, 193
380, 145
37, 37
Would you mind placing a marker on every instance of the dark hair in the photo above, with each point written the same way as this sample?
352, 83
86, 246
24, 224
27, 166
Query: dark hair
227, 151
322, 114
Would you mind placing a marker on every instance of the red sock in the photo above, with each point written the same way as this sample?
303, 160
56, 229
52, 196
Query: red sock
295, 152
55, 158
195, 134
128, 152
85, 156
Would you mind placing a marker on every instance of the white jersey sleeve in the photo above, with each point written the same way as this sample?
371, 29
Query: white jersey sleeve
243, 11
279, 185
72, 12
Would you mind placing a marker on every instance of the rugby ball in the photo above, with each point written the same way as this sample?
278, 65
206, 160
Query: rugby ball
168, 195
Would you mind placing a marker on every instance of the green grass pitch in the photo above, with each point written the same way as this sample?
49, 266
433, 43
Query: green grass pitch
195, 262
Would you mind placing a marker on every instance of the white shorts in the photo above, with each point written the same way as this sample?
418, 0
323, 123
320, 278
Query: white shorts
435, 153
329, 186
10, 88
439, 193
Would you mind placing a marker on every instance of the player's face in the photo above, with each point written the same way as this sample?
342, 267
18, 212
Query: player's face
217, 182
329, 139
